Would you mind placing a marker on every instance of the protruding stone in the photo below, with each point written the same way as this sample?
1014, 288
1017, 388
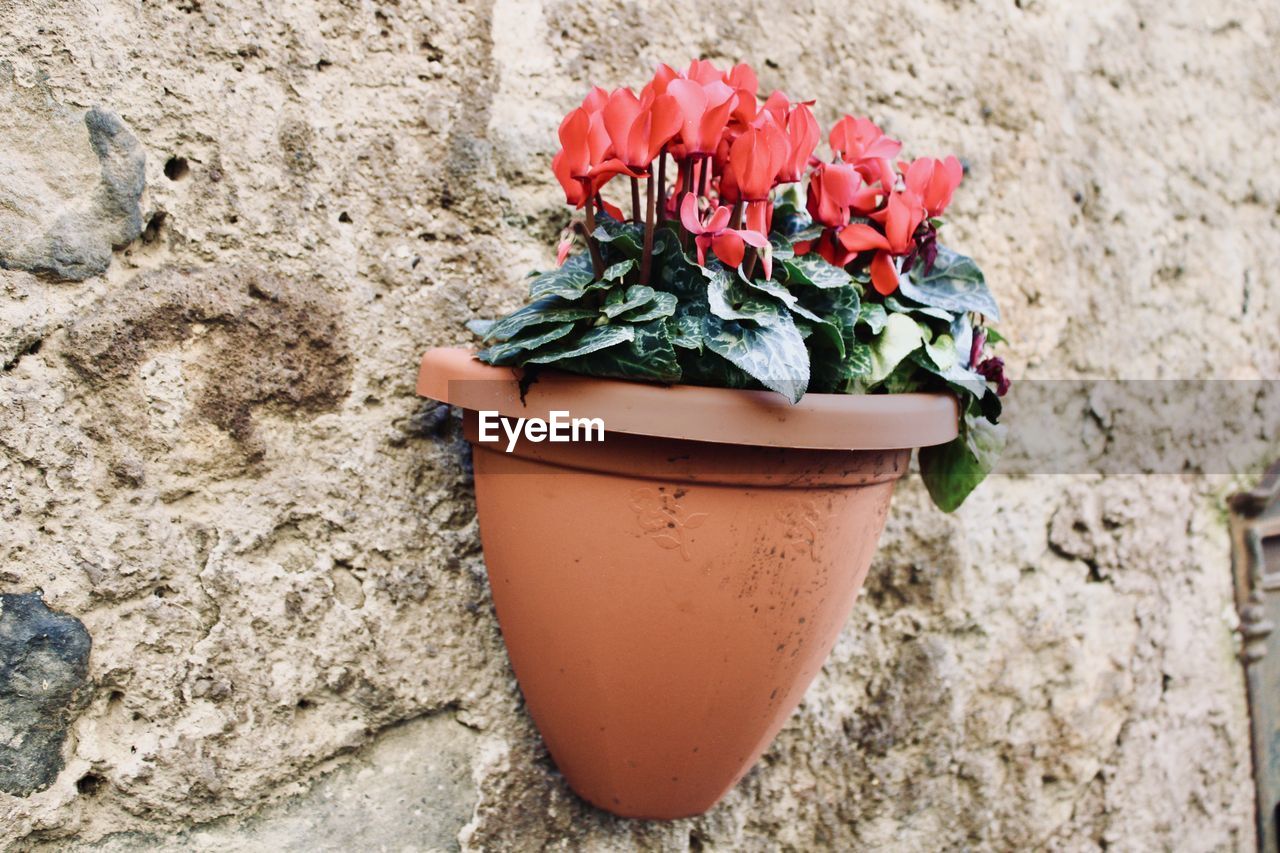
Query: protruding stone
70, 184
44, 665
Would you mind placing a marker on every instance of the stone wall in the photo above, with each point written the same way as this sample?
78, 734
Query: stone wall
229, 229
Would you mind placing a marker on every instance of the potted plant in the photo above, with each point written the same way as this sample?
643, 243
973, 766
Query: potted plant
765, 337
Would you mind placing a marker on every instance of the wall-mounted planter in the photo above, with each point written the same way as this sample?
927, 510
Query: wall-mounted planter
667, 596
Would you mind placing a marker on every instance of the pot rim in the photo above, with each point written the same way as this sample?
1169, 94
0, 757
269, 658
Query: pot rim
721, 415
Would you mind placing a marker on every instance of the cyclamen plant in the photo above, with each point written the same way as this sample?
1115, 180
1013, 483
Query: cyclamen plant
739, 259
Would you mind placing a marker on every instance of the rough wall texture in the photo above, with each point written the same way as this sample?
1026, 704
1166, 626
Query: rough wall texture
211, 455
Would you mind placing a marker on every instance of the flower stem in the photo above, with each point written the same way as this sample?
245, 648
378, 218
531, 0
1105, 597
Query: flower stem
646, 265
635, 199
597, 262
662, 184
702, 178
735, 222
685, 180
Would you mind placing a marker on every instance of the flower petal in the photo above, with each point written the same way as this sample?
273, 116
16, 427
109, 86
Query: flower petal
619, 115
728, 247
859, 237
689, 215
702, 241
883, 274
719, 219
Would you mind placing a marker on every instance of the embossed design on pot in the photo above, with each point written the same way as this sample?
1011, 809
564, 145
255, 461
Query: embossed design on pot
663, 519
804, 518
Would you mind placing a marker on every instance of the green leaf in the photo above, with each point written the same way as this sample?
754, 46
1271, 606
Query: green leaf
966, 382
570, 281
774, 355
480, 328
620, 302
823, 339
620, 239
677, 273
905, 378
598, 338
951, 471
663, 305
794, 224
926, 310
616, 272
786, 297
509, 352
994, 337
955, 283
649, 356
839, 306
962, 332
780, 248
859, 361
548, 309
685, 327
900, 338
813, 270
942, 352
873, 315
729, 299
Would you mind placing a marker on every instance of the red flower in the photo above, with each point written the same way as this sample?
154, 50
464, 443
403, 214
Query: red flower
759, 216
574, 193
729, 244
742, 79
779, 105
899, 218
857, 139
830, 250
662, 77
704, 112
860, 142
595, 99
933, 182
802, 136
756, 158
703, 71
638, 129
833, 189
583, 166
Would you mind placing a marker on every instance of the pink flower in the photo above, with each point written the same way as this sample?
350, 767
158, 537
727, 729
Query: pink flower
639, 128
802, 135
934, 181
756, 158
704, 111
856, 139
729, 244
833, 189
899, 219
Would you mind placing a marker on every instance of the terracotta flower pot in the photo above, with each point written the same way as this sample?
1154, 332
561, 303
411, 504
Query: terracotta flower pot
667, 595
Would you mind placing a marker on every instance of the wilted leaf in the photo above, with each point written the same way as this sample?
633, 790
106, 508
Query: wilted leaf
900, 338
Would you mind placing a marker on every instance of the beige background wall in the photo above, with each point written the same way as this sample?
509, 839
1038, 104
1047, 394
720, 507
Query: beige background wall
215, 460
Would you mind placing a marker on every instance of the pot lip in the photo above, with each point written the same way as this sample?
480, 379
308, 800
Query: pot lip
721, 415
